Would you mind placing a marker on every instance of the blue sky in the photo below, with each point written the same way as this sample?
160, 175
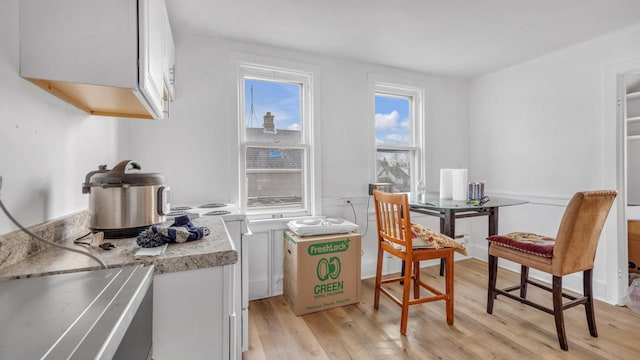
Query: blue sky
281, 99
392, 120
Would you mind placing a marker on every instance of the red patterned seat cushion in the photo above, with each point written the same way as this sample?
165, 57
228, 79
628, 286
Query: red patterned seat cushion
534, 244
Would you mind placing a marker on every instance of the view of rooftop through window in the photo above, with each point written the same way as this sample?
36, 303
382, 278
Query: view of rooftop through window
393, 132
273, 171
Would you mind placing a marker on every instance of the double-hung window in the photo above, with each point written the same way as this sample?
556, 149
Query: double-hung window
275, 140
399, 135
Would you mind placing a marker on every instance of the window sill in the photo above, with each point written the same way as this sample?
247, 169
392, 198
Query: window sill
273, 221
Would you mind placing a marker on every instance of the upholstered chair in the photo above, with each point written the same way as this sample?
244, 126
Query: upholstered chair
572, 250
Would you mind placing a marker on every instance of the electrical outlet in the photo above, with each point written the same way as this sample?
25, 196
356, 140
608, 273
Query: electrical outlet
346, 201
386, 187
462, 238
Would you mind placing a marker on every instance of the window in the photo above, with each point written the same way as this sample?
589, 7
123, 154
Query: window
275, 140
398, 132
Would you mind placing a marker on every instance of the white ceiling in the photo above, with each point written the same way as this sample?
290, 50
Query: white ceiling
449, 37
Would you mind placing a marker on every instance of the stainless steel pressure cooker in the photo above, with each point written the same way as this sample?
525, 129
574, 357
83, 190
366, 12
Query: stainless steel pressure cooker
123, 201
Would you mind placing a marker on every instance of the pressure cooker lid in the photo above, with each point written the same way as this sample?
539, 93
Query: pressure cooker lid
127, 172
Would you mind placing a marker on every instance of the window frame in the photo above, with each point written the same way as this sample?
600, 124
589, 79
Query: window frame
260, 71
416, 148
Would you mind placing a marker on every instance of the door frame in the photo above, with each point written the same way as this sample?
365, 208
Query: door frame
616, 142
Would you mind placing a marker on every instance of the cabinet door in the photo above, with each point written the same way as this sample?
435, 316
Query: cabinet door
151, 39
192, 314
240, 297
169, 61
265, 260
259, 249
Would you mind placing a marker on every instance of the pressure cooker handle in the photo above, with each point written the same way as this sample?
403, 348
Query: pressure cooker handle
124, 166
164, 206
86, 185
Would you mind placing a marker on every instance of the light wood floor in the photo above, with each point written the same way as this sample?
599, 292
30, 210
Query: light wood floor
514, 331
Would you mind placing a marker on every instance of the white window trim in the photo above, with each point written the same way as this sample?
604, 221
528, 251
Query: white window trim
270, 68
399, 87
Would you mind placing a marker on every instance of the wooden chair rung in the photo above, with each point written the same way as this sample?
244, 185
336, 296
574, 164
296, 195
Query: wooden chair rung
391, 280
430, 288
391, 296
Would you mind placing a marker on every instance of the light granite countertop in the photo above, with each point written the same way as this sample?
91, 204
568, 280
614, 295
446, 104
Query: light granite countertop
216, 249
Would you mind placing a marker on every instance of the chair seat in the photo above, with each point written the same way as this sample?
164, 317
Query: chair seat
524, 258
433, 239
417, 243
534, 244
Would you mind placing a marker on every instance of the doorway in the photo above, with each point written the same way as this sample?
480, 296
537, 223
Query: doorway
615, 172
630, 104
618, 77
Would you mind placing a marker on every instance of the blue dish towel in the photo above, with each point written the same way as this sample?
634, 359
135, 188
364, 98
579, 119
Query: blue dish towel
182, 230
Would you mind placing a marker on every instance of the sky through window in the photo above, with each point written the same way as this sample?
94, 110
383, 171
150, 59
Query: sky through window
392, 120
281, 99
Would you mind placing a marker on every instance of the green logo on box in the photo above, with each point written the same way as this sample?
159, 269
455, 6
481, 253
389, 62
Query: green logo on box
328, 268
329, 247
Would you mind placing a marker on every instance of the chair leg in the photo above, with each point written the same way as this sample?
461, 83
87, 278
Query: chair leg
416, 279
558, 313
442, 266
406, 290
376, 293
587, 281
524, 276
493, 272
449, 288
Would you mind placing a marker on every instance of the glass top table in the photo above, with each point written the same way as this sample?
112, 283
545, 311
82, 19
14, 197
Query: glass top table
433, 201
449, 210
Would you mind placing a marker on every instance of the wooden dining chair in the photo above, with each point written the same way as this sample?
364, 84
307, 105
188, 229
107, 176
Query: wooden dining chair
395, 237
572, 250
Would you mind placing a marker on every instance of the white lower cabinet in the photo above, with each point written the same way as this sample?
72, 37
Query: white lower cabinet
194, 316
237, 230
265, 246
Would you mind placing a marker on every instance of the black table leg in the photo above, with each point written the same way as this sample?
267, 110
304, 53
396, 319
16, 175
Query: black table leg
493, 221
447, 227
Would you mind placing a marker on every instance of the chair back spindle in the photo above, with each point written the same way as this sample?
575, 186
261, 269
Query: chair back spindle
394, 219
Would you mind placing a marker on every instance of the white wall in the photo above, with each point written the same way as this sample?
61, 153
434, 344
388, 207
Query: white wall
203, 130
202, 127
541, 131
191, 148
46, 145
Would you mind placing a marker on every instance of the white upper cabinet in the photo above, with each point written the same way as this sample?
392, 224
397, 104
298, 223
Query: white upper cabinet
104, 57
152, 21
169, 60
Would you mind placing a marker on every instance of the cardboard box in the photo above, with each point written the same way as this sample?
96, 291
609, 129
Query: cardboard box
321, 272
633, 232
